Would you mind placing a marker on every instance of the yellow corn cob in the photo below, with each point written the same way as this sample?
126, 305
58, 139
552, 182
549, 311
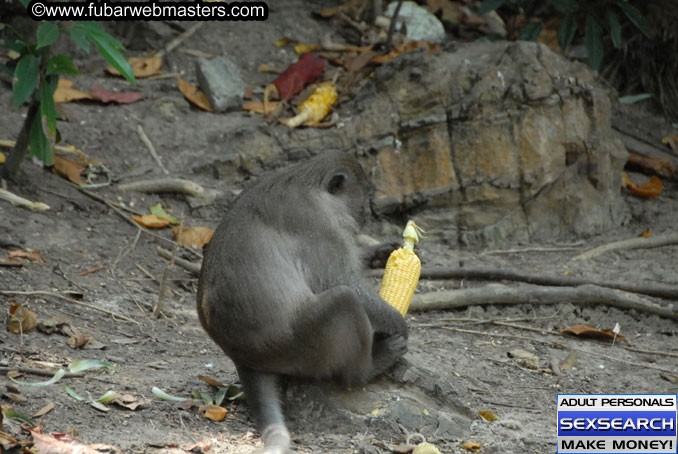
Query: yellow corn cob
402, 272
316, 107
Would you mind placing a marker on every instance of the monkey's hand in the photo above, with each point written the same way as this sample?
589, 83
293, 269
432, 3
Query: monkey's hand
386, 350
375, 257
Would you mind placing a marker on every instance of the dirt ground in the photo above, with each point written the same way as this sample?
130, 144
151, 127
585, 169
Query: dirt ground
80, 233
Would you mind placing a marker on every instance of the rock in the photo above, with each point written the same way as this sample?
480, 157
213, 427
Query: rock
419, 22
222, 83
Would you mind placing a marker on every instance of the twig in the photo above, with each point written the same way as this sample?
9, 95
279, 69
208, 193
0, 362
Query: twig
185, 264
41, 372
650, 352
179, 39
165, 185
124, 251
533, 294
149, 145
70, 300
498, 274
632, 243
571, 247
18, 200
391, 27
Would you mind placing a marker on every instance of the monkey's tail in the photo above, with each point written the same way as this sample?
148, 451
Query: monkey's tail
261, 389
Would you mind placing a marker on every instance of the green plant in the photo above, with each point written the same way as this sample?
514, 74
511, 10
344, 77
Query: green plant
35, 79
599, 18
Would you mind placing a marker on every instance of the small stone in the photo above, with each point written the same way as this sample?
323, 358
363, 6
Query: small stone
420, 23
222, 82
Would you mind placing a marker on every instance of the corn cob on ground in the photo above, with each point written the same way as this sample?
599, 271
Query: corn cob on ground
316, 107
402, 272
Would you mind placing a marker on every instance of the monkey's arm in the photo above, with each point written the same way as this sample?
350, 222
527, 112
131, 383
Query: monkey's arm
375, 257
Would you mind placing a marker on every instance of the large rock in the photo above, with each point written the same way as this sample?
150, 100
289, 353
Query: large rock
491, 143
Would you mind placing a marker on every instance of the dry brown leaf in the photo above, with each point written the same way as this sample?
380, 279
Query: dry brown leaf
305, 48
91, 270
66, 93
193, 236
407, 47
151, 221
142, 67
646, 234
354, 63
44, 410
7, 442
199, 447
669, 378
119, 97
648, 190
194, 95
214, 413
488, 415
2, 158
583, 330
130, 402
260, 108
21, 319
264, 68
471, 446
659, 166
32, 256
211, 381
68, 169
63, 443
79, 340
671, 141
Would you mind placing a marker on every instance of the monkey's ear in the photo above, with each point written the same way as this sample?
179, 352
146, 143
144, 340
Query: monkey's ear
336, 182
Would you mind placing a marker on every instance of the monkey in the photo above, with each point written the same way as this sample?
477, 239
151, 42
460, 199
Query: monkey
281, 292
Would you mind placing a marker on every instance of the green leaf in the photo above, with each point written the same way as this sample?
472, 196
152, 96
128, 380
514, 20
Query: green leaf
565, 6
39, 144
632, 99
16, 45
164, 396
109, 49
61, 64
109, 396
57, 376
47, 109
14, 415
490, 5
615, 29
2, 25
73, 394
86, 364
219, 396
25, 3
79, 37
160, 212
48, 33
26, 78
636, 17
566, 32
594, 42
530, 32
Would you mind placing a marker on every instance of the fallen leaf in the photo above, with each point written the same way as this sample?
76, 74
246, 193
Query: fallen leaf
79, 340
150, 221
671, 141
87, 364
471, 446
211, 381
7, 442
17, 398
21, 319
199, 447
570, 361
647, 233
55, 325
2, 158
306, 70
451, 11
524, 358
284, 41
404, 48
91, 270
63, 443
160, 212
70, 170
129, 401
259, 107
669, 378
194, 95
658, 166
44, 410
142, 67
66, 93
354, 63
264, 68
32, 256
193, 236
214, 413
305, 48
488, 415
583, 330
650, 189
120, 97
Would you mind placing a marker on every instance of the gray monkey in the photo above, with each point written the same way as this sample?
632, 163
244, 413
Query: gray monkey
281, 290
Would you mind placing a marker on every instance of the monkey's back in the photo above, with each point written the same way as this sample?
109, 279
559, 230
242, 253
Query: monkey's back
260, 260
